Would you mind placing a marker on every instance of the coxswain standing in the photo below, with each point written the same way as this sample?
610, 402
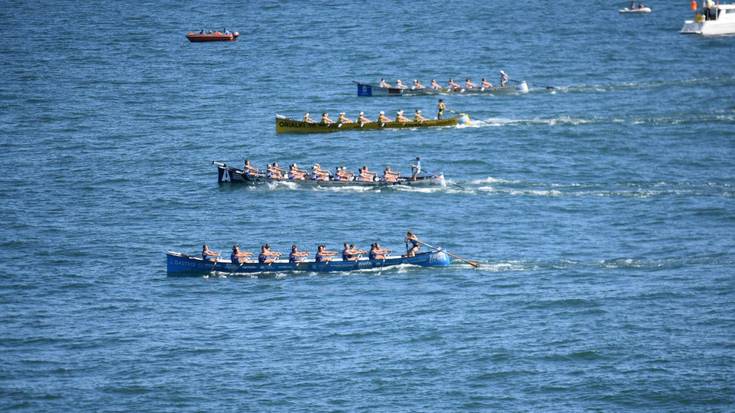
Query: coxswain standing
503, 79
418, 117
308, 118
412, 244
417, 85
415, 168
440, 107
342, 118
326, 120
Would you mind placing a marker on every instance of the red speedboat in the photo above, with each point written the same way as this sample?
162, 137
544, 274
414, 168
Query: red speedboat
203, 36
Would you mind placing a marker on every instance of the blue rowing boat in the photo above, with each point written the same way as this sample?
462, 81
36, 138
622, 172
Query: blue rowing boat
182, 264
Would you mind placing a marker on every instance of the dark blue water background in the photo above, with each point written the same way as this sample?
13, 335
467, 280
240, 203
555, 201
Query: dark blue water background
602, 212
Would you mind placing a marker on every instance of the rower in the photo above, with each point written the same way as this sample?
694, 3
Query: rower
382, 119
452, 85
356, 253
417, 85
503, 79
239, 257
400, 85
485, 84
362, 119
296, 174
323, 255
307, 118
412, 244
267, 256
325, 119
366, 175
342, 118
468, 84
249, 170
209, 255
384, 84
400, 118
319, 174
296, 256
347, 253
275, 172
415, 168
435, 85
343, 174
441, 107
377, 253
418, 117
390, 175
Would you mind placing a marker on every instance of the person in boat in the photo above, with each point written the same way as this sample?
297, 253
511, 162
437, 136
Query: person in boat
295, 255
356, 252
342, 174
435, 85
342, 118
267, 256
440, 108
365, 175
390, 175
308, 119
377, 253
412, 244
323, 255
418, 117
452, 85
325, 119
485, 85
275, 171
319, 174
400, 118
468, 85
347, 253
503, 79
400, 85
382, 119
249, 170
415, 168
209, 255
362, 119
239, 257
384, 84
417, 85
296, 174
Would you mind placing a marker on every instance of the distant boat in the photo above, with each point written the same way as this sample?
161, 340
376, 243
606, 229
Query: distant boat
371, 89
713, 21
180, 264
202, 36
636, 8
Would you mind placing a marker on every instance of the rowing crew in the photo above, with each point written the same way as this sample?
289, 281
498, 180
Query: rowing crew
268, 256
451, 84
362, 119
341, 173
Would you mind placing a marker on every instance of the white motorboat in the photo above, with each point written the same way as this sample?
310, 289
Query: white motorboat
636, 8
718, 19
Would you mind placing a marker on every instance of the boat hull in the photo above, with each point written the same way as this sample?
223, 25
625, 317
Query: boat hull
229, 174
643, 10
286, 125
367, 90
708, 28
183, 264
212, 37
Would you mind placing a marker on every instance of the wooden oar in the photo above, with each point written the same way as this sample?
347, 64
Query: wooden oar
474, 264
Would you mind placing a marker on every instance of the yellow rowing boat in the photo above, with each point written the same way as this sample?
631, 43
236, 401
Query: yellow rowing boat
288, 125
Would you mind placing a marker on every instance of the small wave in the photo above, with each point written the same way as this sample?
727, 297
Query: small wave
491, 180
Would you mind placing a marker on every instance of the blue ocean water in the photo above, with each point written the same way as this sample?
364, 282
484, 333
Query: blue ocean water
601, 210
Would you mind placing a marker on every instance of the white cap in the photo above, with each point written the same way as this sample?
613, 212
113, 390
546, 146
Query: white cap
502, 73
362, 113
341, 113
306, 114
382, 113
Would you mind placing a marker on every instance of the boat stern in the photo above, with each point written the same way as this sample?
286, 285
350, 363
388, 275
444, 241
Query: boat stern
439, 258
522, 87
